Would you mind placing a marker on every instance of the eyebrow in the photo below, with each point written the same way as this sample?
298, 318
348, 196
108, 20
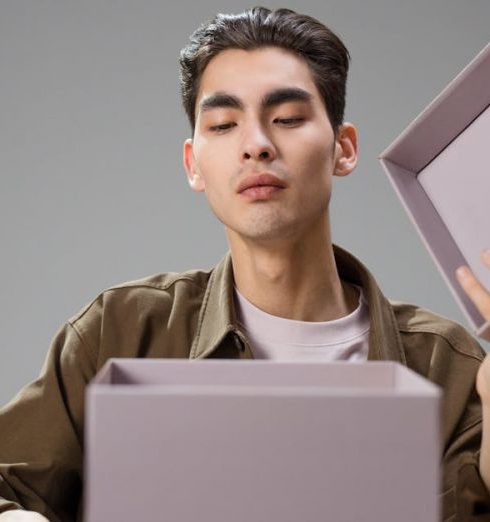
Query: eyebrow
270, 99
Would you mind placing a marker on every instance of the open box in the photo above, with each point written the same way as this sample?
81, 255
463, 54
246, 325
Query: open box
440, 169
231, 440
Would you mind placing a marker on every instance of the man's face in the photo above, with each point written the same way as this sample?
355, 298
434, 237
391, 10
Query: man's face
264, 150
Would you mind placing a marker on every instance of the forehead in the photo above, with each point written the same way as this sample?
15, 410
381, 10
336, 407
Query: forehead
249, 74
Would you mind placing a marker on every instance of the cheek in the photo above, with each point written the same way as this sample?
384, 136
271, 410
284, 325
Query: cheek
315, 160
214, 167
320, 158
213, 161
312, 145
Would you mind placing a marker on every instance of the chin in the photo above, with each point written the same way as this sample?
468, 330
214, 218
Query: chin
267, 232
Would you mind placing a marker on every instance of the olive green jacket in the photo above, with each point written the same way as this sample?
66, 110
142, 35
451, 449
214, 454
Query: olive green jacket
191, 315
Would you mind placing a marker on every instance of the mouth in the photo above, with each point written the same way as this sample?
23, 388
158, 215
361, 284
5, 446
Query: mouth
260, 184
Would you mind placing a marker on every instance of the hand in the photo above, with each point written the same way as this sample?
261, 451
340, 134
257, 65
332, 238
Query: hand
481, 297
19, 515
474, 289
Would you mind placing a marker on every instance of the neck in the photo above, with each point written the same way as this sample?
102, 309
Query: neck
297, 279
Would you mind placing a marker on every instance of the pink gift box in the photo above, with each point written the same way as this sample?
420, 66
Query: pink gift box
247, 441
441, 172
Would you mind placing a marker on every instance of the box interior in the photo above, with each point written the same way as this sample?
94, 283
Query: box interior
375, 376
457, 182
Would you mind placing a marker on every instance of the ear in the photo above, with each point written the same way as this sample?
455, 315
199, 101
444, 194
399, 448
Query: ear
346, 151
194, 178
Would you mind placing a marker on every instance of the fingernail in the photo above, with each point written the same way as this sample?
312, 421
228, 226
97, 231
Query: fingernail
486, 255
462, 272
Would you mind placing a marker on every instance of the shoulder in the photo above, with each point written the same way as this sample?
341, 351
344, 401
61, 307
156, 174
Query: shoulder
130, 305
447, 354
165, 281
416, 321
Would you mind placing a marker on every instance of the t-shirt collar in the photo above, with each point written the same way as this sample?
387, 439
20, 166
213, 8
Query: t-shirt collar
217, 318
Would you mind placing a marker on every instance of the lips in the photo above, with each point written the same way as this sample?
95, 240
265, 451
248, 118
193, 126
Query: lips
260, 180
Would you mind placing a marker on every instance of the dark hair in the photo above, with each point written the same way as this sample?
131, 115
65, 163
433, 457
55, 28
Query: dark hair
303, 35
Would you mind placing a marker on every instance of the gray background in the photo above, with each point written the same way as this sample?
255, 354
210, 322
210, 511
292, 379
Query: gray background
92, 191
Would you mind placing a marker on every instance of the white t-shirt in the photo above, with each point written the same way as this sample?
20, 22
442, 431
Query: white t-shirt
272, 337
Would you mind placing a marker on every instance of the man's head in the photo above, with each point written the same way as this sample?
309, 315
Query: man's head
267, 124
309, 39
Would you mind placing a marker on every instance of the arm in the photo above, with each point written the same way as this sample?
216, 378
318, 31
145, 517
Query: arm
485, 445
41, 435
481, 297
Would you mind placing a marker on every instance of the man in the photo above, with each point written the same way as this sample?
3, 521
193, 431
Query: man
264, 92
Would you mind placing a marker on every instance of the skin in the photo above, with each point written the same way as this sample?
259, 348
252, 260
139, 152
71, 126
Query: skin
481, 297
280, 245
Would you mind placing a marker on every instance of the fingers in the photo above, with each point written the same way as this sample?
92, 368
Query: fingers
485, 256
474, 289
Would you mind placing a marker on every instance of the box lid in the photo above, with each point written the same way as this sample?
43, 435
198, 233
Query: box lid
438, 169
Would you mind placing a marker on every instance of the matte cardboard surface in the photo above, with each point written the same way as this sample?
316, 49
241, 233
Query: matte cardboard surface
439, 168
241, 441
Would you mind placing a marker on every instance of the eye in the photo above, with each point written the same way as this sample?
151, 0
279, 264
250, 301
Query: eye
222, 127
289, 122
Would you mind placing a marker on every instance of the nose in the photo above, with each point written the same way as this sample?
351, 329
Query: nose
263, 155
257, 145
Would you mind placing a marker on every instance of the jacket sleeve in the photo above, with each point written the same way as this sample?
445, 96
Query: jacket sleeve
41, 433
467, 499
472, 494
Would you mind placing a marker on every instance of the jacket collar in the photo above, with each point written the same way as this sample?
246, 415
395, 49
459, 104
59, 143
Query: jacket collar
217, 315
